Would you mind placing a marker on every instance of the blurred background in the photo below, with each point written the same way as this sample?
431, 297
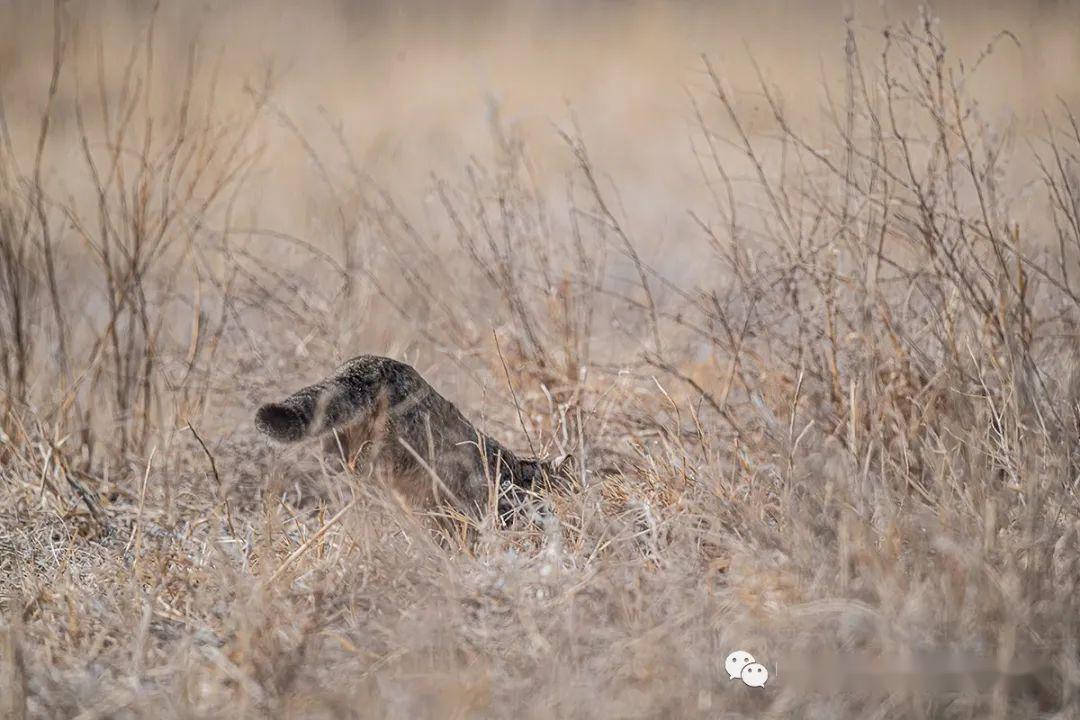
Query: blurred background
416, 86
404, 96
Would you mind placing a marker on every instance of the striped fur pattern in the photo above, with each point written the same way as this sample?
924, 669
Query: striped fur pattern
383, 418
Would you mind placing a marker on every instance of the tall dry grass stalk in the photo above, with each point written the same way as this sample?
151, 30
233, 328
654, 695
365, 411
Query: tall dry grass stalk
848, 441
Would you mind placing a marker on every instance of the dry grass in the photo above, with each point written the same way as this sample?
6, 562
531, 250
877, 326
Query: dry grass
823, 388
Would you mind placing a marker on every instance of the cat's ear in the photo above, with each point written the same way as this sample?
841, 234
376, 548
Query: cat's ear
567, 470
565, 463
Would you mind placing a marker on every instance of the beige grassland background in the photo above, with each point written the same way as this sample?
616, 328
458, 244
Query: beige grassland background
792, 281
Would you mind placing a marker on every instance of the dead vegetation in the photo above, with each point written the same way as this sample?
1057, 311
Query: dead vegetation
849, 442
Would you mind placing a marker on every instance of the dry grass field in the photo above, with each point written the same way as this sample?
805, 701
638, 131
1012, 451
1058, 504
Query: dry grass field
797, 284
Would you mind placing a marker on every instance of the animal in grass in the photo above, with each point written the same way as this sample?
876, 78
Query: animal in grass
383, 418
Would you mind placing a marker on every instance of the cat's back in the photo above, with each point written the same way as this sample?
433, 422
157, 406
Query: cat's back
412, 399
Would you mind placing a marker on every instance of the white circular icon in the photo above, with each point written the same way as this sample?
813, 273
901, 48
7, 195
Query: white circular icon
735, 663
755, 675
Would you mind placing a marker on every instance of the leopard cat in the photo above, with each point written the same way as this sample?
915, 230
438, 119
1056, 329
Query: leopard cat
381, 417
